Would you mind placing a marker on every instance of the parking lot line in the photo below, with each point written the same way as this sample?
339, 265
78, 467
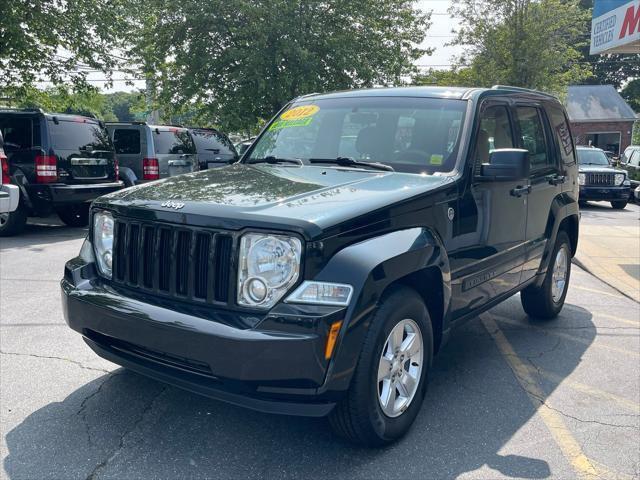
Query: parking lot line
599, 292
551, 418
634, 323
572, 338
587, 389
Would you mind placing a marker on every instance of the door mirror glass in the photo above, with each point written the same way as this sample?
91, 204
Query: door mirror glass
506, 164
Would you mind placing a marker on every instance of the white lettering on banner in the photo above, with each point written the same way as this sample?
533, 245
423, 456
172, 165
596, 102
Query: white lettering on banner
618, 30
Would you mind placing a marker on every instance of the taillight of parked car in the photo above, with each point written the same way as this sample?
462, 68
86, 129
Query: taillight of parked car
150, 169
4, 162
46, 169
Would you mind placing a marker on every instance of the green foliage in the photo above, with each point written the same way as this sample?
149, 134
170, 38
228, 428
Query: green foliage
49, 38
235, 62
631, 93
85, 100
635, 137
524, 43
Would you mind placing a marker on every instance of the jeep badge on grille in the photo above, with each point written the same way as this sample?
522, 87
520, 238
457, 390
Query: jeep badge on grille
172, 204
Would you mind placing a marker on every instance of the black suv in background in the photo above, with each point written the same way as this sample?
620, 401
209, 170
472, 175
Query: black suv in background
321, 273
60, 163
600, 181
214, 147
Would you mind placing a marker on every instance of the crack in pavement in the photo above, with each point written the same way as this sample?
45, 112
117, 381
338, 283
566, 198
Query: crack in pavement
93, 475
50, 357
82, 412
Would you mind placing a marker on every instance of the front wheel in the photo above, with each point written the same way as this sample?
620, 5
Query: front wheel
619, 204
547, 300
390, 380
74, 215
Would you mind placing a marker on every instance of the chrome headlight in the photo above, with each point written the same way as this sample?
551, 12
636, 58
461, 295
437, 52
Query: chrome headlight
619, 178
103, 241
269, 266
322, 293
581, 178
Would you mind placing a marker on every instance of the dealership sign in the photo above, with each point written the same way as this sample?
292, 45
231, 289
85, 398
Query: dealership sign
615, 27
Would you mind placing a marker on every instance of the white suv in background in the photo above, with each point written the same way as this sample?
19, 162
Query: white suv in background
9, 194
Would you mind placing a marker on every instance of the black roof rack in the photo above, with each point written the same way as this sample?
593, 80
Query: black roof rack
521, 89
126, 123
26, 110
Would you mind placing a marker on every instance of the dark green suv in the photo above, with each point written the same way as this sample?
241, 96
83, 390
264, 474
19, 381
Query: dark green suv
322, 273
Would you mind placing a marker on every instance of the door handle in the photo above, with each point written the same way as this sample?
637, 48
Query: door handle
520, 191
557, 179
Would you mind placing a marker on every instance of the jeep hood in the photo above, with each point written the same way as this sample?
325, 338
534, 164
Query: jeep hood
598, 169
307, 199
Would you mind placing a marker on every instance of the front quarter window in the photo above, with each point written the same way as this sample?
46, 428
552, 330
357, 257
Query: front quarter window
413, 135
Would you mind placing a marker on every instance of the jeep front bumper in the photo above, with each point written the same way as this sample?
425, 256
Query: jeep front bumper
278, 366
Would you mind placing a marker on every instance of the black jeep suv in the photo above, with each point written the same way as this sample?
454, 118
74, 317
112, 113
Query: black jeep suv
320, 274
599, 180
60, 163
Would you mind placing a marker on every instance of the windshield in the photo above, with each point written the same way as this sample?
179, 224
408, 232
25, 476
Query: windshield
592, 157
415, 135
79, 135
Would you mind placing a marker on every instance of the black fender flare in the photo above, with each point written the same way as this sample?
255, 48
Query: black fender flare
563, 207
371, 266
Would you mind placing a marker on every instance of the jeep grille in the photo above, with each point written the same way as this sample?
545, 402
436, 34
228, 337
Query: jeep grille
185, 263
600, 179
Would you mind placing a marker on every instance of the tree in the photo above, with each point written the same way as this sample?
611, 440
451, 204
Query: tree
631, 93
125, 106
57, 40
609, 69
236, 62
524, 43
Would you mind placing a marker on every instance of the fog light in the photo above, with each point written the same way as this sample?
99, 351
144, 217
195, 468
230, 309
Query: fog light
256, 290
108, 260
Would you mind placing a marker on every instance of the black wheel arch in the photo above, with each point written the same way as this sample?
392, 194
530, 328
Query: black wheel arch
413, 257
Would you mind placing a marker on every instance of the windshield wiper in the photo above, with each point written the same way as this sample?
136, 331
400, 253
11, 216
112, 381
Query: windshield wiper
275, 160
350, 162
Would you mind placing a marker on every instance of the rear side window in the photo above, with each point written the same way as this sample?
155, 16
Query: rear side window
635, 159
560, 127
17, 132
212, 141
533, 138
172, 141
126, 141
78, 135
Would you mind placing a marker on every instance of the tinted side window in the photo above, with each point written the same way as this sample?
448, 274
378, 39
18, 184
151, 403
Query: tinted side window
17, 132
126, 141
495, 133
562, 134
533, 138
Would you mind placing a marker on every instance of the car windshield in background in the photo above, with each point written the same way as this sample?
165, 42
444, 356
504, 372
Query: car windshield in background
174, 141
592, 157
212, 141
79, 135
415, 135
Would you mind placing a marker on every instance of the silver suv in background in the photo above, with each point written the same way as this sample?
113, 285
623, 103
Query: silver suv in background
150, 152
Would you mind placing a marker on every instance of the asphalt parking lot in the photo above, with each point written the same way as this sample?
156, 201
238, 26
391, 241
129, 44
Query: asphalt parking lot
508, 397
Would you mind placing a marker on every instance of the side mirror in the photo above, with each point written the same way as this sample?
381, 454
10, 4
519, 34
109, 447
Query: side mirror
506, 164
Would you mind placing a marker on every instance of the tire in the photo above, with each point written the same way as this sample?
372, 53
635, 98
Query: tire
619, 204
359, 416
74, 215
13, 223
540, 302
